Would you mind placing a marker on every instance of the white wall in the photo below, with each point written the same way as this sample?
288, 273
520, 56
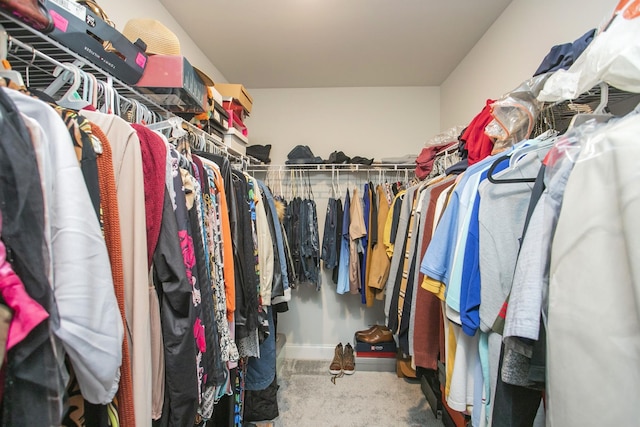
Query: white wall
370, 122
511, 50
120, 11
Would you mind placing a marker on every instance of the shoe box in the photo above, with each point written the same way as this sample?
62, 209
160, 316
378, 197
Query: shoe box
383, 349
85, 33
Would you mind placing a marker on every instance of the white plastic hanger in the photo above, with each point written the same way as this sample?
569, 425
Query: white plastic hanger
26, 70
12, 75
599, 114
71, 99
174, 124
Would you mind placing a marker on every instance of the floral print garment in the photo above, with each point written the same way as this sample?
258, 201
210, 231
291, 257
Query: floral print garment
214, 233
189, 259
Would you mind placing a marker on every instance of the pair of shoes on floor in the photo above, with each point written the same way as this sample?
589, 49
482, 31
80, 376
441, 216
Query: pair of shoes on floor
375, 335
344, 361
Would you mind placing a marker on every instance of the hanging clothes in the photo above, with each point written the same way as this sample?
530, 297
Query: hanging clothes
281, 289
357, 230
426, 319
228, 223
329, 243
345, 252
379, 262
366, 211
338, 239
310, 244
177, 246
582, 259
92, 314
372, 240
129, 177
301, 224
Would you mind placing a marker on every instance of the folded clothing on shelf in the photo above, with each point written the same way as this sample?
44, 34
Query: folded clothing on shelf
302, 154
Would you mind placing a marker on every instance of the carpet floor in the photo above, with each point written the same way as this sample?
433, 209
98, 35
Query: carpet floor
308, 398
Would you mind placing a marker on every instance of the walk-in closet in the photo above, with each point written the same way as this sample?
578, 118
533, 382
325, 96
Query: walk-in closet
302, 213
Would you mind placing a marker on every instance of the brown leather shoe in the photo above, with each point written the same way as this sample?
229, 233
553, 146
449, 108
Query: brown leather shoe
338, 360
349, 360
375, 329
366, 331
378, 336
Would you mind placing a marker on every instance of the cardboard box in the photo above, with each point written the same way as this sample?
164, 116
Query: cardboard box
85, 33
172, 82
236, 91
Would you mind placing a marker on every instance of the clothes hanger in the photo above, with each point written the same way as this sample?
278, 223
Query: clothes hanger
332, 189
518, 151
91, 89
5, 47
173, 124
599, 114
308, 189
104, 94
28, 67
495, 164
86, 96
541, 142
71, 99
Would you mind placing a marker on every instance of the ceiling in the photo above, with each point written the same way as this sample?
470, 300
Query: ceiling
335, 43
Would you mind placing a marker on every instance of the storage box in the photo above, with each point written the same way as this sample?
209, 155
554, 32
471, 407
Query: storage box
384, 349
217, 96
232, 104
171, 81
236, 91
220, 116
79, 29
236, 142
234, 122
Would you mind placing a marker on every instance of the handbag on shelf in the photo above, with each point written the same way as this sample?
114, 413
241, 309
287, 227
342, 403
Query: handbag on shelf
31, 12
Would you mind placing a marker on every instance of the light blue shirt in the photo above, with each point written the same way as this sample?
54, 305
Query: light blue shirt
343, 265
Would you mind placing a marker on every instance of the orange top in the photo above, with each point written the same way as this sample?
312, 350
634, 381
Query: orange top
227, 246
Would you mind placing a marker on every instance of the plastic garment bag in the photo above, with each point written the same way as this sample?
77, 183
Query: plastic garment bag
613, 57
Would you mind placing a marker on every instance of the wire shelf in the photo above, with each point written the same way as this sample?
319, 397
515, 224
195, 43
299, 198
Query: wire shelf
36, 56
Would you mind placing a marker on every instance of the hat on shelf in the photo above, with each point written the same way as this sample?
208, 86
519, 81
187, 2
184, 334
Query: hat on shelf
159, 39
337, 158
260, 152
208, 81
358, 160
302, 154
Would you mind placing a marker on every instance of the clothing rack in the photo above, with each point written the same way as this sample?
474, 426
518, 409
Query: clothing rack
558, 115
321, 167
36, 56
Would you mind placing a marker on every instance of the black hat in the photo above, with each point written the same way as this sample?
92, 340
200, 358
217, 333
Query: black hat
302, 154
337, 158
357, 160
260, 152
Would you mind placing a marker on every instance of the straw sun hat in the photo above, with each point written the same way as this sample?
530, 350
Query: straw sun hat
159, 40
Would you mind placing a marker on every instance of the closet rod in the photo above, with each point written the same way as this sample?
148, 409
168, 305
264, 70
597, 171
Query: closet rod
35, 45
13, 41
335, 167
30, 49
